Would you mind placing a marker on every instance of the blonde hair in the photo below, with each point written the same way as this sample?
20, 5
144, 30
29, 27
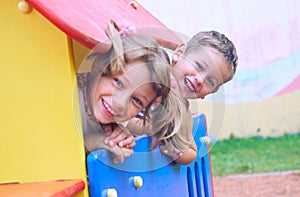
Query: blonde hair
217, 41
168, 118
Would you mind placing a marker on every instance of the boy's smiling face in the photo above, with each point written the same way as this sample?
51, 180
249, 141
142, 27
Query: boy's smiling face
121, 97
200, 72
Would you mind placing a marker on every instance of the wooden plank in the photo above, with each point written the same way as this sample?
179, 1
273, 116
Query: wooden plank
42, 189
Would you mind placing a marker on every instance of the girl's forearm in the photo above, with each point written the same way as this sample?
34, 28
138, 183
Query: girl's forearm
94, 141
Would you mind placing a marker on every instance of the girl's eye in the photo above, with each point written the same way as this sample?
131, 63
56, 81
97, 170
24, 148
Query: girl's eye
118, 83
138, 101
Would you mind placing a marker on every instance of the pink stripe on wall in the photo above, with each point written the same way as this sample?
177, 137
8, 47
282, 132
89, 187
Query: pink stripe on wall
291, 87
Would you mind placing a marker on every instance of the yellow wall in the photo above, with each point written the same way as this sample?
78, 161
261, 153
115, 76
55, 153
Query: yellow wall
272, 117
39, 140
80, 52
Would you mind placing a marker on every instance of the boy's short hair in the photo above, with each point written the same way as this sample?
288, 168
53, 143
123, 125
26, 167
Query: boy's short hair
215, 40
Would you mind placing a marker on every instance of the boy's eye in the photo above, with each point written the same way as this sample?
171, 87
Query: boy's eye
199, 66
118, 83
138, 101
211, 83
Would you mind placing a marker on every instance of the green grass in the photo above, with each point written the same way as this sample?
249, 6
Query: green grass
255, 155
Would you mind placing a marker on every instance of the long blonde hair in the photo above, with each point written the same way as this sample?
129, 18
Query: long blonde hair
169, 117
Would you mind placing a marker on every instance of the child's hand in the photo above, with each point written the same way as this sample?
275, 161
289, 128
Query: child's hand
95, 141
119, 154
168, 148
118, 135
183, 155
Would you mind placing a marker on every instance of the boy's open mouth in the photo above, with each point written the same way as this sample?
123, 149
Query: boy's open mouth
189, 85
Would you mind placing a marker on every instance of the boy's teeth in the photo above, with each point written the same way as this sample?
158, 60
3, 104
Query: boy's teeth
189, 85
108, 108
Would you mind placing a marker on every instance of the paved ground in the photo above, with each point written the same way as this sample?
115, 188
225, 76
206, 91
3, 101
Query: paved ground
281, 184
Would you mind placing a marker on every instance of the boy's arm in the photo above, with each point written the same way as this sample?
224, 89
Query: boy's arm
137, 127
184, 158
188, 156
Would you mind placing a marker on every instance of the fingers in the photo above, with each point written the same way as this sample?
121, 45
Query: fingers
117, 154
113, 135
127, 152
120, 136
129, 142
116, 131
120, 154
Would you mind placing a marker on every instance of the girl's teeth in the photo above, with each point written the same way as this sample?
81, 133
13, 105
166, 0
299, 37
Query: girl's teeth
108, 108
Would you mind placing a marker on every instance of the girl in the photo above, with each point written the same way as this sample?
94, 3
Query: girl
122, 82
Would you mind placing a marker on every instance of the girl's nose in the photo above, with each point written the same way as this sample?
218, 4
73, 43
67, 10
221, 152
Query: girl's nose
120, 102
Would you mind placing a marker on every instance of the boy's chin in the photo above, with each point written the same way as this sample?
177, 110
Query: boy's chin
190, 95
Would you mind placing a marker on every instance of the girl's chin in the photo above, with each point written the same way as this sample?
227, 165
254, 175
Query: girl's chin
105, 121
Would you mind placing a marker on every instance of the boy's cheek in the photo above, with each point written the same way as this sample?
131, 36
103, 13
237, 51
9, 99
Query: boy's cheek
175, 58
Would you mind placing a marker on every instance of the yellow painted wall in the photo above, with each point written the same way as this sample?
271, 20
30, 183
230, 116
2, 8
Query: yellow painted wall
39, 140
272, 117
80, 52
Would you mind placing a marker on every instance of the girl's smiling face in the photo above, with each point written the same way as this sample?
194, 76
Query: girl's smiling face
199, 75
121, 97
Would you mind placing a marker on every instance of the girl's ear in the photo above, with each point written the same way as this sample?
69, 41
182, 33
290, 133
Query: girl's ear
178, 53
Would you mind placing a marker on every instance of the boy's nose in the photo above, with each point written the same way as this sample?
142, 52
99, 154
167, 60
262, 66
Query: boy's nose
199, 79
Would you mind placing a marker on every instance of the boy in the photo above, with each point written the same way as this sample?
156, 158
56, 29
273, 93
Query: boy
206, 62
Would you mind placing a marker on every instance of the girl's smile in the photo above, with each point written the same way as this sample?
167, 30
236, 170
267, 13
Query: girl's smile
107, 109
